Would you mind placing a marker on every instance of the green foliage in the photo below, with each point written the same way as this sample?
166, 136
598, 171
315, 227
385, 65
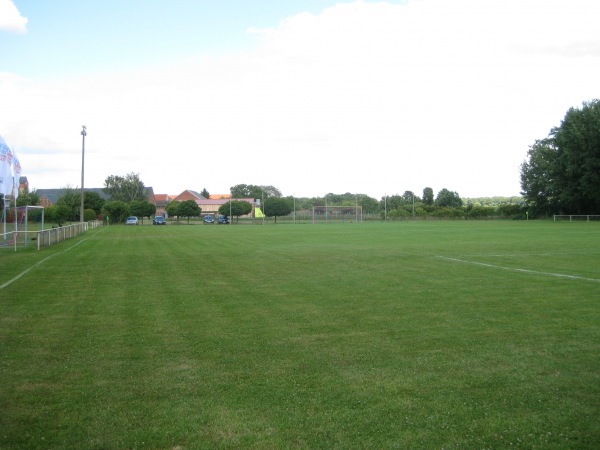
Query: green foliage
188, 208
494, 201
369, 205
448, 199
235, 208
125, 189
116, 211
277, 207
172, 208
254, 191
89, 214
142, 208
92, 200
35, 215
70, 200
204, 193
28, 198
562, 172
577, 141
479, 211
538, 178
57, 214
427, 196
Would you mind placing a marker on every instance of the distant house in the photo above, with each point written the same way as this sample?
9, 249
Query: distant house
210, 206
23, 184
188, 195
48, 197
162, 200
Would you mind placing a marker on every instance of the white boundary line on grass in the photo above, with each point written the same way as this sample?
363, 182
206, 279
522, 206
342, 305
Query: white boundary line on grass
9, 282
513, 269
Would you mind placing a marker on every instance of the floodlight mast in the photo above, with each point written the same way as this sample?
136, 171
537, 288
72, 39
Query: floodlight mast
83, 135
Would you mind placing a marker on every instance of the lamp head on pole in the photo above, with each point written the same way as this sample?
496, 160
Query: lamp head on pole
84, 131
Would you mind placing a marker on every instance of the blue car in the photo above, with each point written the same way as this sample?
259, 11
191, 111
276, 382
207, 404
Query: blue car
223, 220
209, 219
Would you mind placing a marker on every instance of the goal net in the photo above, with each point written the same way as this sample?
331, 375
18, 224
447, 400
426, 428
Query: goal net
19, 224
337, 214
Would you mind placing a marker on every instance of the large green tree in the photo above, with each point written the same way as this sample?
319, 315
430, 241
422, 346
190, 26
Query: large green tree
235, 208
254, 191
172, 209
448, 199
115, 211
562, 171
277, 207
70, 199
538, 178
125, 189
577, 141
142, 208
57, 214
369, 204
428, 196
92, 200
188, 208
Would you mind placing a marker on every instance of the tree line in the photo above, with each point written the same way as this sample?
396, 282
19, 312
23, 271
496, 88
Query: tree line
561, 175
128, 196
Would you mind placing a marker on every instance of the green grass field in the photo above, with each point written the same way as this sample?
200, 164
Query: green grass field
405, 335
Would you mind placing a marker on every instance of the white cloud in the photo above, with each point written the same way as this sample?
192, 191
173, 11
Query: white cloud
366, 97
10, 17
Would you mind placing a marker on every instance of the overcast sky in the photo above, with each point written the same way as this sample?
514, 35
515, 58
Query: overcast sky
311, 96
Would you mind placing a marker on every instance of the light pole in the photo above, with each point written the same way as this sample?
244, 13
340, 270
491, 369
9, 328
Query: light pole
83, 134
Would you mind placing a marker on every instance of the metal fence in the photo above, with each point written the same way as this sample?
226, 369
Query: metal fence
45, 238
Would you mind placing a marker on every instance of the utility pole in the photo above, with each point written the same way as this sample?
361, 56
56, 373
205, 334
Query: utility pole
83, 134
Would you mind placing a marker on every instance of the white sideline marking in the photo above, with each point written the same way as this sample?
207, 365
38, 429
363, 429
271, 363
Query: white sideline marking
9, 282
512, 269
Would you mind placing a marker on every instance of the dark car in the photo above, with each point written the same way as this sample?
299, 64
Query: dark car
209, 219
159, 220
222, 220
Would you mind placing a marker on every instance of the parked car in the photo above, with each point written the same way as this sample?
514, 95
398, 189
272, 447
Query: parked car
209, 219
131, 220
223, 220
159, 220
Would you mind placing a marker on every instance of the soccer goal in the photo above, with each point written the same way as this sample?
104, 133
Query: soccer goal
19, 224
337, 214
576, 217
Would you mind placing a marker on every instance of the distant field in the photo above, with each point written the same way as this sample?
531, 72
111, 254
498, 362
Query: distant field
404, 335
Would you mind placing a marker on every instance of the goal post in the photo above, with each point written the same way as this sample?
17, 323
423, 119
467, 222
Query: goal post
337, 214
16, 221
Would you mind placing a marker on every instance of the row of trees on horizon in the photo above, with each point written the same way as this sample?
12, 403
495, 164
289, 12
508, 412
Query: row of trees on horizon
128, 196
561, 175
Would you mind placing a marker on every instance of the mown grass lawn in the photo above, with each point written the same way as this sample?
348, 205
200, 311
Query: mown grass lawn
405, 335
